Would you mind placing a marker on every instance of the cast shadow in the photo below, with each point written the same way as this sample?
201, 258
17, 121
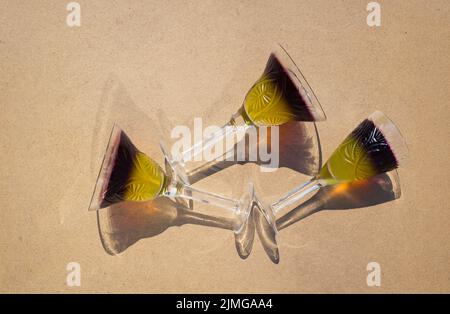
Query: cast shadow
299, 150
123, 224
356, 194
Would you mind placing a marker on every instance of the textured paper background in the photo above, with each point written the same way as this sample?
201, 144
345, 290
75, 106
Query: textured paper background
184, 57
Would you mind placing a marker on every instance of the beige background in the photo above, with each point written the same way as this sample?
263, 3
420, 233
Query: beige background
182, 57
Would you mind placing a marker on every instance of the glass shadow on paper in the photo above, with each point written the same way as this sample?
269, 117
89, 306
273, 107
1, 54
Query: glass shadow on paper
376, 190
123, 224
299, 150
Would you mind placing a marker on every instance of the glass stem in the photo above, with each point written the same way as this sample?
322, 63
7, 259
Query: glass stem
229, 129
295, 195
188, 192
209, 168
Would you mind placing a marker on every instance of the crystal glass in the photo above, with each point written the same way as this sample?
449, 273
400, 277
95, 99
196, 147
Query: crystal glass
279, 96
375, 146
124, 223
280, 99
128, 174
358, 165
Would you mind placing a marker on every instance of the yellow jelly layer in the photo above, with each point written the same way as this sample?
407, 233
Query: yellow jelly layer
146, 179
266, 105
350, 161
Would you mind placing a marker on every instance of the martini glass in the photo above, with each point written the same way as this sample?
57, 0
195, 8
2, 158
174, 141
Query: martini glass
374, 147
279, 96
125, 223
128, 174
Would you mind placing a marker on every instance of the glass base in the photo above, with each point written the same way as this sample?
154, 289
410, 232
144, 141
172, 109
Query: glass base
244, 210
265, 224
261, 219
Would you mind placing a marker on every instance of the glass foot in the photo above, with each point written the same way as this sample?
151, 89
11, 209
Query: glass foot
262, 220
